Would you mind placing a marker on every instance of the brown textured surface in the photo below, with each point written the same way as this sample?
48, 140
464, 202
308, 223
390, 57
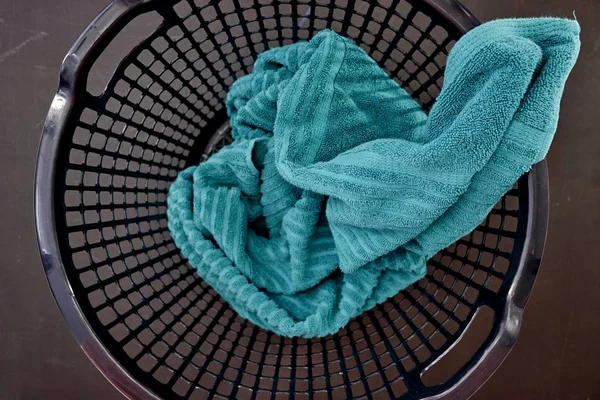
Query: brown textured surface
557, 355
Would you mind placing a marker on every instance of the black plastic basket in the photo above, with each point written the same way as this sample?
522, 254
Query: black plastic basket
139, 311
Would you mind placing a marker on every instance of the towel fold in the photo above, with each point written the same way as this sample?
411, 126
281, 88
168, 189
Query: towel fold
337, 187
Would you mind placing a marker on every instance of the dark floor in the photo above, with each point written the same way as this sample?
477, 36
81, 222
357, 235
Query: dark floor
557, 355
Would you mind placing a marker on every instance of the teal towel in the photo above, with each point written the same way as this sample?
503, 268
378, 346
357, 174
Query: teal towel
338, 187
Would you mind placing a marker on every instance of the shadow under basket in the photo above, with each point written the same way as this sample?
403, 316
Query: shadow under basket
141, 97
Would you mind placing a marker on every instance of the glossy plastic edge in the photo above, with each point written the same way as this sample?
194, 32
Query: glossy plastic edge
56, 119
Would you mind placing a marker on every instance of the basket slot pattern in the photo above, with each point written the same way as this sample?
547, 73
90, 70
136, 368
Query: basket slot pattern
163, 108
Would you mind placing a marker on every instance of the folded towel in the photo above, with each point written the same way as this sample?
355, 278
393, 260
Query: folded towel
338, 187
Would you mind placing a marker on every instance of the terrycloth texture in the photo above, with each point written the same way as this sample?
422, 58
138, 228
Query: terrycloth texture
338, 187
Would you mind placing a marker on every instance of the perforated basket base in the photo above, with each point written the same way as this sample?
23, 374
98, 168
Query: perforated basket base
154, 326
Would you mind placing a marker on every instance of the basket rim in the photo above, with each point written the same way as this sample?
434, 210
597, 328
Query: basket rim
103, 28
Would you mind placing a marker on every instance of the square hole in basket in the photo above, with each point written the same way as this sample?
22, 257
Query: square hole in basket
451, 325
421, 20
494, 284
486, 259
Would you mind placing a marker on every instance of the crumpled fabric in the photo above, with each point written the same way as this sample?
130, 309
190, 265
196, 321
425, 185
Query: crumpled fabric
338, 187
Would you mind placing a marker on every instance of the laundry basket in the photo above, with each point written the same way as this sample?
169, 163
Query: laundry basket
139, 311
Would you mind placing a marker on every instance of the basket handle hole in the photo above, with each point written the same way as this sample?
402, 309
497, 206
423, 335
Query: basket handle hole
104, 67
457, 356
